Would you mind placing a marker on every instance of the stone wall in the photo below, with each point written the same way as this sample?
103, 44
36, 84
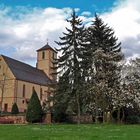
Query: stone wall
21, 119
83, 119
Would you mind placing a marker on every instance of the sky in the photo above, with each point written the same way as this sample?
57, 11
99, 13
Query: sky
26, 25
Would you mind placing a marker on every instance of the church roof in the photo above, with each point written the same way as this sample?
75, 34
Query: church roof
26, 72
46, 47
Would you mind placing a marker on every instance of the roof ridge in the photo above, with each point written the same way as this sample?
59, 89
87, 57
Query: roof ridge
45, 47
18, 61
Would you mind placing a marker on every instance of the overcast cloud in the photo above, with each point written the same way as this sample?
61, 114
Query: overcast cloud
125, 20
24, 30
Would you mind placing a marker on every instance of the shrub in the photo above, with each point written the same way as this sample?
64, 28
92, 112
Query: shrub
59, 113
34, 110
14, 109
133, 119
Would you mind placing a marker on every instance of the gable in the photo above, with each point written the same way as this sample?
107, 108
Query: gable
4, 69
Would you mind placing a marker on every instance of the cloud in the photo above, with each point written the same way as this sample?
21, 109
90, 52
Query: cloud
27, 30
125, 20
86, 13
23, 30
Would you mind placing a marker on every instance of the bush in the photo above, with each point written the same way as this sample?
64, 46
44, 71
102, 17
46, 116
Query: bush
14, 109
34, 110
133, 119
58, 113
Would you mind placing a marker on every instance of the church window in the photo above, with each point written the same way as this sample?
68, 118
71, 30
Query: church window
23, 93
5, 107
33, 88
41, 95
53, 55
23, 101
43, 55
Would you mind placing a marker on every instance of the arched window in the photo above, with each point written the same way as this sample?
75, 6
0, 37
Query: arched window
33, 88
43, 55
53, 55
23, 92
41, 95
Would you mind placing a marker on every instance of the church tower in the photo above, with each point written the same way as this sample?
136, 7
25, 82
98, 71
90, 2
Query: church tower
45, 58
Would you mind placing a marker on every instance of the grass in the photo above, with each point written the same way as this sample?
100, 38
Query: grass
70, 132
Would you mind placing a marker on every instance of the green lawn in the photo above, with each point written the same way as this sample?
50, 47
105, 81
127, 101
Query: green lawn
70, 132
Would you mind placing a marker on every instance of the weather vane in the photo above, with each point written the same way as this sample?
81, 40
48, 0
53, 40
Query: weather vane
47, 40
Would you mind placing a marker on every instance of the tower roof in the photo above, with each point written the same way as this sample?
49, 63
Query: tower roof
46, 47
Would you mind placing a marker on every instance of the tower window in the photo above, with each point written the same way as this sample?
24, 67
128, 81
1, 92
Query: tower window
43, 55
53, 55
41, 94
23, 93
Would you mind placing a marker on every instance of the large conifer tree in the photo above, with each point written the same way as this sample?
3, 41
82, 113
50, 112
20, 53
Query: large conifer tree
70, 62
106, 55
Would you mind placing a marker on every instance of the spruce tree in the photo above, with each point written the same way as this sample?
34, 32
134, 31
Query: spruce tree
106, 55
14, 109
70, 62
34, 110
61, 100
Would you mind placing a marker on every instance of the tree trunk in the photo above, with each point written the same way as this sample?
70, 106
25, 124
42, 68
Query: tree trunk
108, 117
111, 118
104, 116
118, 116
78, 109
96, 110
123, 115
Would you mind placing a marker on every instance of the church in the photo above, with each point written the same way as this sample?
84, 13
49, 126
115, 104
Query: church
18, 80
